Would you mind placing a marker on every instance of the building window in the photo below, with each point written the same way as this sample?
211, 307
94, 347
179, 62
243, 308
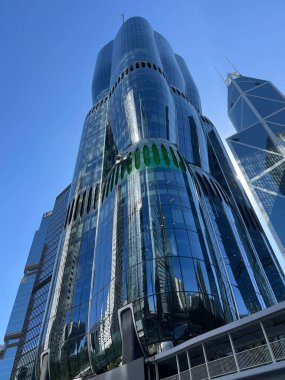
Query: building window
82, 203
71, 212
165, 155
76, 207
146, 155
96, 196
155, 154
89, 200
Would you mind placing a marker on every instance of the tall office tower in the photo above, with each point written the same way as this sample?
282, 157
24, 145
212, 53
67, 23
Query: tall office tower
25, 324
257, 110
223, 171
17, 317
151, 236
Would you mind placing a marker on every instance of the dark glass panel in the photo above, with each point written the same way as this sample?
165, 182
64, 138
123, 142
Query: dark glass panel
233, 95
278, 118
256, 136
155, 154
165, 155
71, 211
129, 163
248, 116
183, 246
195, 244
137, 159
274, 180
267, 91
82, 203
253, 161
96, 196
265, 107
235, 114
146, 155
188, 274
246, 83
89, 200
194, 141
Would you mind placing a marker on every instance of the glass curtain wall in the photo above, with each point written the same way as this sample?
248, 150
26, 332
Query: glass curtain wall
147, 223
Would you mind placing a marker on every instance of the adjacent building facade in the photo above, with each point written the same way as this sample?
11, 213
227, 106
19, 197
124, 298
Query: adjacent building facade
257, 110
19, 311
25, 324
152, 221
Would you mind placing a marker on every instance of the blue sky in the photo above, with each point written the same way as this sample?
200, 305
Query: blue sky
48, 52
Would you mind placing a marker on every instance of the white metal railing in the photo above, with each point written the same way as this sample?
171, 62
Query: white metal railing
246, 359
185, 375
278, 348
254, 357
199, 372
222, 366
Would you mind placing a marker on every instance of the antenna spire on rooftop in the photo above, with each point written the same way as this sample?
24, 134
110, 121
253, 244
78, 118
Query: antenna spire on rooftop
234, 74
220, 75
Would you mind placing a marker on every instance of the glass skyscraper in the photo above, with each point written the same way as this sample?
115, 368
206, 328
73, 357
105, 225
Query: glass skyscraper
257, 110
26, 320
17, 317
155, 219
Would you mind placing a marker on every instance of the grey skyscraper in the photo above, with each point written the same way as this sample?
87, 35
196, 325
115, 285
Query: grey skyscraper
257, 110
153, 225
26, 320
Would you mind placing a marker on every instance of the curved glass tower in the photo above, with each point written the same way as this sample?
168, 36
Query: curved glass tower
148, 224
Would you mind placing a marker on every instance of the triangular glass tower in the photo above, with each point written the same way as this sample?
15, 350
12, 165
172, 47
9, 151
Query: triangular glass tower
257, 111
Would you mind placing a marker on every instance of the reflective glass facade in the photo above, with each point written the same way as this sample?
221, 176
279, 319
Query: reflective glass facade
148, 224
257, 110
20, 308
222, 170
28, 346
